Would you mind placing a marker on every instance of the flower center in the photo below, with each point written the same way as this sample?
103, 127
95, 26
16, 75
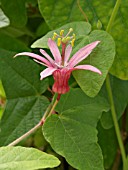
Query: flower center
64, 41
61, 39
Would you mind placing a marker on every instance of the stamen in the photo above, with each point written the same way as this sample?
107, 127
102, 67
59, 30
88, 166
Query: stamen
61, 32
59, 41
72, 42
54, 36
74, 36
70, 30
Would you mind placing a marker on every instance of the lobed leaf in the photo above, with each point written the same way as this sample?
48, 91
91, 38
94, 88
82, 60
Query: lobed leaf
25, 103
72, 133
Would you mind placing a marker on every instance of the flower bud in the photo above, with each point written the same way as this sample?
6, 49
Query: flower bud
99, 24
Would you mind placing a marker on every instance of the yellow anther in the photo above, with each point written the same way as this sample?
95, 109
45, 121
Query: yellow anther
59, 41
54, 36
74, 36
72, 42
61, 32
71, 29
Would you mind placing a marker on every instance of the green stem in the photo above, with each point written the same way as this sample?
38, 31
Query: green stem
114, 13
108, 86
25, 135
117, 129
53, 107
47, 113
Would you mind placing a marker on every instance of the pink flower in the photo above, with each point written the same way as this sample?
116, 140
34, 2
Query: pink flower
61, 67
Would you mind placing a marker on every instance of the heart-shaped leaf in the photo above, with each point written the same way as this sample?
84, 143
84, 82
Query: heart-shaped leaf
102, 57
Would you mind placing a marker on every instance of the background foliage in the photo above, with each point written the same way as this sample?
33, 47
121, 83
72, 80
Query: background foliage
82, 135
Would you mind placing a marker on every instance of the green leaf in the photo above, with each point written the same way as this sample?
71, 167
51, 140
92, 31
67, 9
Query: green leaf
42, 29
2, 92
15, 11
72, 133
25, 102
59, 14
76, 97
79, 28
19, 158
109, 145
4, 21
63, 13
120, 33
102, 57
9, 43
69, 11
120, 96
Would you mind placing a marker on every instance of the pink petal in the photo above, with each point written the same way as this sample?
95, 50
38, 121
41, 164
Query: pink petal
35, 56
47, 56
47, 72
68, 51
88, 67
40, 63
82, 53
54, 50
